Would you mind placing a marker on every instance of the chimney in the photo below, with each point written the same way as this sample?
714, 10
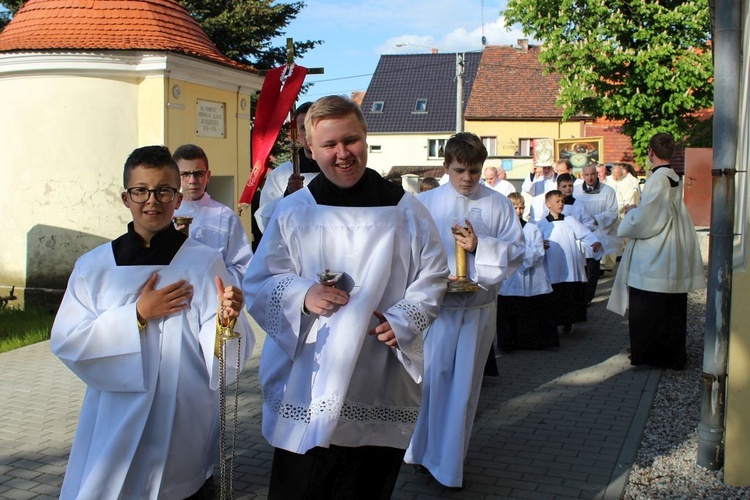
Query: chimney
433, 51
523, 44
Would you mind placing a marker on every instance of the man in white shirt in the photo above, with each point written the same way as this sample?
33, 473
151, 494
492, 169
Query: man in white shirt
628, 191
493, 180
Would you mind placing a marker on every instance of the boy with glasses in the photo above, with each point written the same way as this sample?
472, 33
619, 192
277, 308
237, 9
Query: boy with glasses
214, 224
139, 324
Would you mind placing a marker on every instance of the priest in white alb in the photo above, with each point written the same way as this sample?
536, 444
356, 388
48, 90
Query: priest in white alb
600, 202
662, 262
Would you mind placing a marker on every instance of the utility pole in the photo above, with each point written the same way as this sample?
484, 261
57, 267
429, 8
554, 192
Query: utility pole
459, 92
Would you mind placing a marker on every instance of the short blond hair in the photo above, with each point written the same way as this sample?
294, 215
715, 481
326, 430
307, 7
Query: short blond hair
332, 106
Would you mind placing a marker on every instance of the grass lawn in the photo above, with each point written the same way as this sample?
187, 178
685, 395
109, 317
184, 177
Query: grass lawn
19, 328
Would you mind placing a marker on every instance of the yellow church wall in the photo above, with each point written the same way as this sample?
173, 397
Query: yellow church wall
509, 132
63, 145
737, 450
229, 156
152, 116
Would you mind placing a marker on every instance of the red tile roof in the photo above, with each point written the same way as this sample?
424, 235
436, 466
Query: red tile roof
160, 25
510, 85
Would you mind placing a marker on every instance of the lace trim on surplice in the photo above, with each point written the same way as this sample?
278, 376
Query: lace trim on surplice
275, 307
417, 319
334, 408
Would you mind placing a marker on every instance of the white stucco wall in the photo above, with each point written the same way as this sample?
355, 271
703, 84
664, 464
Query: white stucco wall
69, 122
401, 150
63, 144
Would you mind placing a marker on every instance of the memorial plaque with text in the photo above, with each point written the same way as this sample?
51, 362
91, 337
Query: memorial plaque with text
211, 119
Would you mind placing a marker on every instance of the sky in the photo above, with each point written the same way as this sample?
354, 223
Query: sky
357, 33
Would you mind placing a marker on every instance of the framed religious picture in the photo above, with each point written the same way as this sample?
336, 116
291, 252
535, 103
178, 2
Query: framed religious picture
580, 151
543, 150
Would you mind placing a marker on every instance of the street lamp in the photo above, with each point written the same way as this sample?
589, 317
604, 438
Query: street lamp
459, 82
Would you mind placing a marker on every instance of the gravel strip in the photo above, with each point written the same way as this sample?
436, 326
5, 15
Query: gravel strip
665, 466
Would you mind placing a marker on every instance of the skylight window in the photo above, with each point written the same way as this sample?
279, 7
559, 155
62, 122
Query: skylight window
377, 107
420, 106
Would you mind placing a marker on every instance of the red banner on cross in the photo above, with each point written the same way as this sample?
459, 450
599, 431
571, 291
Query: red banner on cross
277, 96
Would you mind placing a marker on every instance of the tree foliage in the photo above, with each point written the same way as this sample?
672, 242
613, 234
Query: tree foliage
12, 6
243, 29
646, 62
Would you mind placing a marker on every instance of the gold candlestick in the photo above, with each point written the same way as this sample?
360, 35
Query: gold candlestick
462, 283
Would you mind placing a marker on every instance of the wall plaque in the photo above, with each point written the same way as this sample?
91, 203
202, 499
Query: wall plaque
211, 119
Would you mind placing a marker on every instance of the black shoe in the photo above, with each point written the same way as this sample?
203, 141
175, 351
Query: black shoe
421, 469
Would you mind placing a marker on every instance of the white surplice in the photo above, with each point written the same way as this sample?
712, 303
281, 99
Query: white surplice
149, 423
217, 226
563, 260
537, 189
628, 191
503, 187
273, 191
662, 254
531, 278
458, 342
324, 379
602, 207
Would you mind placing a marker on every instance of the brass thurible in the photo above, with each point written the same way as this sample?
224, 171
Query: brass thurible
185, 223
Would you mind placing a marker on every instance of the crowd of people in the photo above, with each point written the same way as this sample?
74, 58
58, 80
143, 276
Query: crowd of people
370, 360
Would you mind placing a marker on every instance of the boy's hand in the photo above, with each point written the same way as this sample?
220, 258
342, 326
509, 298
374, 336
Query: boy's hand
321, 299
295, 183
466, 237
155, 303
596, 246
230, 300
384, 331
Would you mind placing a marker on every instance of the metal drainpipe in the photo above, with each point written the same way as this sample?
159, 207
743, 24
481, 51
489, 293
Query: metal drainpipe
727, 39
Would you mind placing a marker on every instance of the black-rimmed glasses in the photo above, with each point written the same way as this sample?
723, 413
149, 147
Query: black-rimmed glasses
141, 195
198, 174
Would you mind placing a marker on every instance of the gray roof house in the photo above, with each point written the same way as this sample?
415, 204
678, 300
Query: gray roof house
410, 110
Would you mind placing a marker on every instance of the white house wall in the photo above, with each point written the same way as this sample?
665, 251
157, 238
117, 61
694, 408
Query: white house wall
401, 150
63, 145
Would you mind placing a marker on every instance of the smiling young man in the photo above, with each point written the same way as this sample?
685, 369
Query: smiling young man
138, 325
342, 364
483, 222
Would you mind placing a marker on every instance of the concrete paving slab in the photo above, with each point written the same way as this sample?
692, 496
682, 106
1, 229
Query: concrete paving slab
554, 424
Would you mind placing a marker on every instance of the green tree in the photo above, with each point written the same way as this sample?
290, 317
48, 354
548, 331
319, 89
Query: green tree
12, 6
646, 62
